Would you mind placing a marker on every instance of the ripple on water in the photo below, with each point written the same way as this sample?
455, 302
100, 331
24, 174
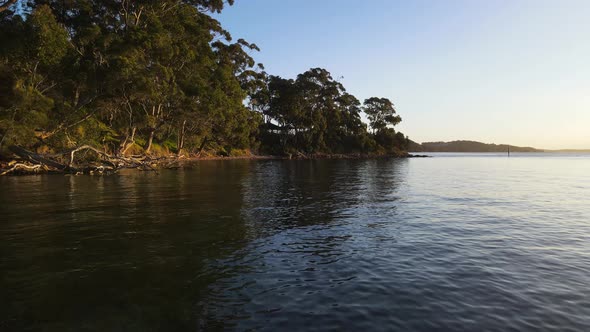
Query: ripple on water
470, 243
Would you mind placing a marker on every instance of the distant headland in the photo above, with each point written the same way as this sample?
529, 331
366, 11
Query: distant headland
466, 146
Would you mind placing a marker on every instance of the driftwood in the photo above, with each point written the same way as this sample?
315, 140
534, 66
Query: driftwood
115, 161
18, 166
64, 162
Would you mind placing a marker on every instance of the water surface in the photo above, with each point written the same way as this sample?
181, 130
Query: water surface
456, 242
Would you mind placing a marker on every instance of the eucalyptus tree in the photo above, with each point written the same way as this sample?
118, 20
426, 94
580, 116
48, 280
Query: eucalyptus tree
383, 117
30, 62
125, 71
123, 74
315, 113
381, 113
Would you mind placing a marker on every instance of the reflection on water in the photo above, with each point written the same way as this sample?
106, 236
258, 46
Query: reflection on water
443, 243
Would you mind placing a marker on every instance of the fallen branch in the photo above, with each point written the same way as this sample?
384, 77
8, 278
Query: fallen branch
86, 147
52, 162
35, 158
17, 166
129, 162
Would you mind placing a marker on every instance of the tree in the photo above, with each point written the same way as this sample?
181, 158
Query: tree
313, 113
128, 72
381, 113
150, 76
34, 51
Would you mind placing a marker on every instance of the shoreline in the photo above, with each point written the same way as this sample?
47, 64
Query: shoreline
317, 156
34, 164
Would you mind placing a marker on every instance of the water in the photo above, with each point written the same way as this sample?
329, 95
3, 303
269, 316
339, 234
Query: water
457, 242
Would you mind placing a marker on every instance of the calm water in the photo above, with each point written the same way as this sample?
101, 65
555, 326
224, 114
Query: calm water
455, 242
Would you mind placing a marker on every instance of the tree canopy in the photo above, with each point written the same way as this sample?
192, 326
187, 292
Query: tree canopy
146, 77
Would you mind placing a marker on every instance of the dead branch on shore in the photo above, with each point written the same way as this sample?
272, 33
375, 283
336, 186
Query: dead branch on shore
19, 166
28, 162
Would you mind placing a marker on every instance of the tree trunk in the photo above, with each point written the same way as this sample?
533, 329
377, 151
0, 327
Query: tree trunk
2, 139
35, 158
129, 141
148, 145
181, 134
203, 144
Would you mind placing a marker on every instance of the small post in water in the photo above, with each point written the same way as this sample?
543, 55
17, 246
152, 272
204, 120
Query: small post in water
508, 150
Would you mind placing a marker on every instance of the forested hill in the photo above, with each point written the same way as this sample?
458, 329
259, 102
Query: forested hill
466, 146
164, 77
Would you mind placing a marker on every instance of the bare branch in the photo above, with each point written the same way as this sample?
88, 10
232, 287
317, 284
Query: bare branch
16, 167
7, 5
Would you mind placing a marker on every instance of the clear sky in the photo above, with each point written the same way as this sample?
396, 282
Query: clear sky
497, 71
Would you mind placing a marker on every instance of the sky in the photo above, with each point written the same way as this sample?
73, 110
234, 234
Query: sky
496, 71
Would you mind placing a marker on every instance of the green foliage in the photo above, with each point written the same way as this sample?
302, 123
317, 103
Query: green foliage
49, 37
314, 113
381, 113
390, 140
164, 76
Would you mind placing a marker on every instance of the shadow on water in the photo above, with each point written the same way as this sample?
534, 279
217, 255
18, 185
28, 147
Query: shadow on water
203, 247
128, 252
